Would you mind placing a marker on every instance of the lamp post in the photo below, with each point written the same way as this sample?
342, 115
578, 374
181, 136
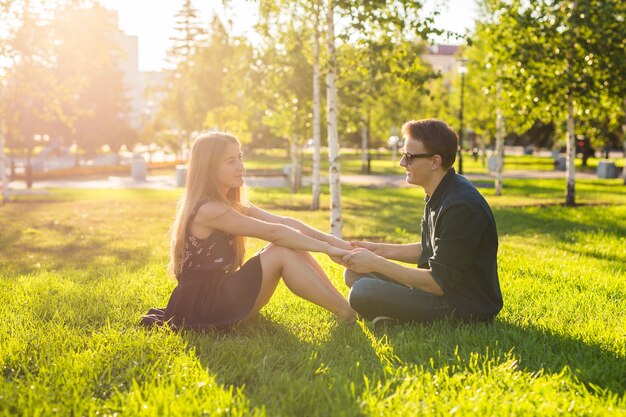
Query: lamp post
462, 70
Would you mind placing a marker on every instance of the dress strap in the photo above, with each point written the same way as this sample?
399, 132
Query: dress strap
194, 212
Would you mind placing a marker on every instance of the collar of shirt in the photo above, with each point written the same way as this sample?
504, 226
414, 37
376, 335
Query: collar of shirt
440, 191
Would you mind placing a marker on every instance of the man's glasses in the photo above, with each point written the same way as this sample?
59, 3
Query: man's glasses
408, 157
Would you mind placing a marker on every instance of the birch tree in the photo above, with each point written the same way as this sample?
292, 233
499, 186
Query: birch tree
334, 169
4, 181
560, 58
315, 203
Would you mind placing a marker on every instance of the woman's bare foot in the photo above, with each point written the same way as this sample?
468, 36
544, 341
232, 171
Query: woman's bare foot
348, 316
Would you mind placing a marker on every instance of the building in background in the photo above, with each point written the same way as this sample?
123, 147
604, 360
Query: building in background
442, 57
129, 66
141, 86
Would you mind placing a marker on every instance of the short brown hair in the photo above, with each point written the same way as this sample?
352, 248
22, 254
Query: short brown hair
436, 136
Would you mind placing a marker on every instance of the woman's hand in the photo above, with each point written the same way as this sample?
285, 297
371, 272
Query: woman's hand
340, 243
337, 255
370, 246
335, 252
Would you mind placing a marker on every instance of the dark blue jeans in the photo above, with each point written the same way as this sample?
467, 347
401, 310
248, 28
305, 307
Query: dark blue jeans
372, 295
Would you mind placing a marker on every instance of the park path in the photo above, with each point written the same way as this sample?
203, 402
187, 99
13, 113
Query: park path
166, 182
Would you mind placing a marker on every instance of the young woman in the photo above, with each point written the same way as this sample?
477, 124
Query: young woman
215, 288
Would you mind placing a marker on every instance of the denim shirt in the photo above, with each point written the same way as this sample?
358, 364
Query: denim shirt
460, 246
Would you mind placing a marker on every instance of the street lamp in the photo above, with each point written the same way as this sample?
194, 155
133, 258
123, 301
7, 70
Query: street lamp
462, 70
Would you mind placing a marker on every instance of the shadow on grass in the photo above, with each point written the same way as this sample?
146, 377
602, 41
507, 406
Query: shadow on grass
8, 237
285, 374
75, 254
282, 373
558, 221
610, 259
536, 350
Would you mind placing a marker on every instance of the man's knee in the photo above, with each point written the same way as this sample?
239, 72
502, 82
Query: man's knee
361, 293
350, 277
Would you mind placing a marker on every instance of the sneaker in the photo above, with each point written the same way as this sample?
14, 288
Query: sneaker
383, 321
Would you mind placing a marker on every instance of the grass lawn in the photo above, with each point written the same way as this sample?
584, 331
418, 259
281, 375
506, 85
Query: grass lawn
78, 268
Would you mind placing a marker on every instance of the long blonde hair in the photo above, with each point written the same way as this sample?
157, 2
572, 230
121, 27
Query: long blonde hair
206, 153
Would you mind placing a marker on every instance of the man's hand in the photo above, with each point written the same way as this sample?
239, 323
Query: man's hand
370, 246
362, 260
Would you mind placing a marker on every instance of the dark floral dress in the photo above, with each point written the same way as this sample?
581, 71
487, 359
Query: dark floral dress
211, 291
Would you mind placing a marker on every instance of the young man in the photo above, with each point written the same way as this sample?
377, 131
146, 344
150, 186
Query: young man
457, 273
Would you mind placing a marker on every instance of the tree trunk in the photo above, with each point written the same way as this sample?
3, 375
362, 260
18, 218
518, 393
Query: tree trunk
12, 168
624, 143
364, 147
76, 156
28, 171
499, 144
315, 204
295, 168
336, 221
3, 170
570, 196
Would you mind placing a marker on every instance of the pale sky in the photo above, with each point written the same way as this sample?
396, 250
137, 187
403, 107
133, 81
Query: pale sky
153, 21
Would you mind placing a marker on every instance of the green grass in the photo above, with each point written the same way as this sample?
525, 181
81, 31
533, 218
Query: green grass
78, 268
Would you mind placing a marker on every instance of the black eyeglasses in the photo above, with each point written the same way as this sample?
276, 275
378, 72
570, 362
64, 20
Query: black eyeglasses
408, 157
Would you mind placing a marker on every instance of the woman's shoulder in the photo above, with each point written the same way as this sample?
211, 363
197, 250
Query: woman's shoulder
210, 210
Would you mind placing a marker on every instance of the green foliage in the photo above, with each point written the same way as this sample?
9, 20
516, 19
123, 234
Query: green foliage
78, 268
101, 105
379, 77
207, 88
381, 69
64, 79
266, 91
284, 68
541, 52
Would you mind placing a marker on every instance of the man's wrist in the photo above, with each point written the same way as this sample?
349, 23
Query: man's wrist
379, 263
380, 250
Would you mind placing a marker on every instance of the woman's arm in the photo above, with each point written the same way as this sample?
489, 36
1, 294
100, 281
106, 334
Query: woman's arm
263, 215
409, 253
219, 216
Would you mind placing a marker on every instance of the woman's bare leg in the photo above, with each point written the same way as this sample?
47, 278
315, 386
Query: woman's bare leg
316, 266
302, 279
